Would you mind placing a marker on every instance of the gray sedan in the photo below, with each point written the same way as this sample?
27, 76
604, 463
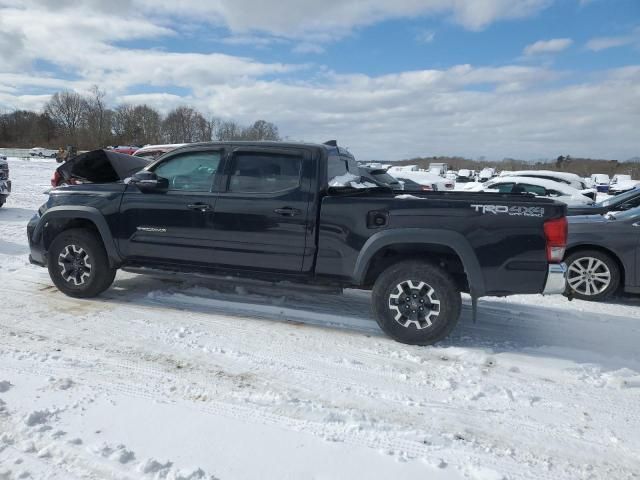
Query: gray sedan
603, 254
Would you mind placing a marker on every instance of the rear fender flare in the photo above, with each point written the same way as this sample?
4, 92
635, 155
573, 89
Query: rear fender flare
456, 241
88, 213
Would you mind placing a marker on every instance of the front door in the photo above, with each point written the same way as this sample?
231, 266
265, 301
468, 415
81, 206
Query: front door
261, 218
173, 226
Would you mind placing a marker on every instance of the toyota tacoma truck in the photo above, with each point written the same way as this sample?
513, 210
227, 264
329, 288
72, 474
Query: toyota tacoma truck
297, 213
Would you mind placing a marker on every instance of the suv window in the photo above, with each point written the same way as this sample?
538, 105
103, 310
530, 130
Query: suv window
501, 187
264, 173
191, 171
535, 189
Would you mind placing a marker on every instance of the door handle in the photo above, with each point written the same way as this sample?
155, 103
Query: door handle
203, 207
287, 211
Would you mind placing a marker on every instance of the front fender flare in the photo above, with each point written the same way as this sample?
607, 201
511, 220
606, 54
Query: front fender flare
88, 213
425, 236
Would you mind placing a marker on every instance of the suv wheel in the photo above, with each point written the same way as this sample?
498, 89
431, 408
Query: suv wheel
416, 303
592, 275
78, 264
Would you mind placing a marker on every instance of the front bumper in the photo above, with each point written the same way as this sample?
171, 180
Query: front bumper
556, 279
37, 254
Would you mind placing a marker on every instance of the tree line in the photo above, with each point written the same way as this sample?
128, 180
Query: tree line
87, 122
584, 167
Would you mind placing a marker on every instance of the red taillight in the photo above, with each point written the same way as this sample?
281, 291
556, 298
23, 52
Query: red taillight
555, 231
426, 188
55, 179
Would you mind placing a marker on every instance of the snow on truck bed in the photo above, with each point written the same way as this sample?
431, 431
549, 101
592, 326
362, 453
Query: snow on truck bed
170, 379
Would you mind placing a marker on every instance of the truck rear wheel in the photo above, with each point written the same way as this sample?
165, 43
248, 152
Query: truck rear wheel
78, 264
416, 302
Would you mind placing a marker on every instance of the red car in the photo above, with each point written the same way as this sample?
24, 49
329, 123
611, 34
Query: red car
129, 150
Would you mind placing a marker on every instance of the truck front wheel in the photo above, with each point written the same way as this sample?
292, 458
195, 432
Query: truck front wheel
78, 264
416, 302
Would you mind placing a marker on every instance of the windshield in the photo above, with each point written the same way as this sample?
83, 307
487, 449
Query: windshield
623, 197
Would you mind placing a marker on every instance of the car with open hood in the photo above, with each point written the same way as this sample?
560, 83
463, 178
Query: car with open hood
97, 166
290, 213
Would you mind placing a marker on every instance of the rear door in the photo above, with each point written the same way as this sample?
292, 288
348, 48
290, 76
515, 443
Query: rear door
262, 219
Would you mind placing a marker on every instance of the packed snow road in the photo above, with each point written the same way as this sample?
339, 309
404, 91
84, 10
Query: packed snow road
160, 378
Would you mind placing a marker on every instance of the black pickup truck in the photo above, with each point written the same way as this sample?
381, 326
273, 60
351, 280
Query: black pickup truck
294, 212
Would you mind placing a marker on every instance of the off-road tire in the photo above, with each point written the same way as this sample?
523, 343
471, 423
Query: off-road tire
100, 273
425, 278
579, 261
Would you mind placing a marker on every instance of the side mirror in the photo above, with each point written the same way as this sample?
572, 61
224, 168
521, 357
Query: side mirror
149, 182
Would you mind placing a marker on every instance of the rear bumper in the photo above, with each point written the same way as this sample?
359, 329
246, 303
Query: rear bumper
556, 279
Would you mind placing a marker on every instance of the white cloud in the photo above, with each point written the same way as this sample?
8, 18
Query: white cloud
512, 110
547, 46
603, 43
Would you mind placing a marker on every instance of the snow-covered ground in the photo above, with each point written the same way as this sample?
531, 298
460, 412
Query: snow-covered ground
169, 379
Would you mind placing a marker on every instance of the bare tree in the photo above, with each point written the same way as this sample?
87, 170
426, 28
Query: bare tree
98, 119
149, 125
261, 130
186, 125
229, 130
68, 110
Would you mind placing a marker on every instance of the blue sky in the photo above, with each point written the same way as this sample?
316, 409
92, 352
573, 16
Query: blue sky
518, 78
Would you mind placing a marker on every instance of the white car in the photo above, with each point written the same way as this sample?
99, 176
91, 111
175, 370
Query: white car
622, 183
601, 182
538, 186
422, 181
466, 175
486, 174
570, 179
42, 152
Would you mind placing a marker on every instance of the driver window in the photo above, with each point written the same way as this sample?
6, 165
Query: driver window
191, 171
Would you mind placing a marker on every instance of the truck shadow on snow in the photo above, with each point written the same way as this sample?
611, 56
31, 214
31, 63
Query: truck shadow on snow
534, 330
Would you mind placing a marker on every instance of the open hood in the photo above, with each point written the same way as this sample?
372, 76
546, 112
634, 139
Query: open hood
102, 166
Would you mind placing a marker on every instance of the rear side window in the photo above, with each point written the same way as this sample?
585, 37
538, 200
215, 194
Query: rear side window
502, 187
535, 189
264, 173
192, 171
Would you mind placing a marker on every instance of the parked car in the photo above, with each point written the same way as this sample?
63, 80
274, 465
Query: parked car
619, 203
423, 181
451, 175
622, 183
570, 179
5, 183
97, 166
603, 254
42, 152
154, 151
486, 174
600, 182
537, 186
267, 211
465, 175
126, 149
380, 176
